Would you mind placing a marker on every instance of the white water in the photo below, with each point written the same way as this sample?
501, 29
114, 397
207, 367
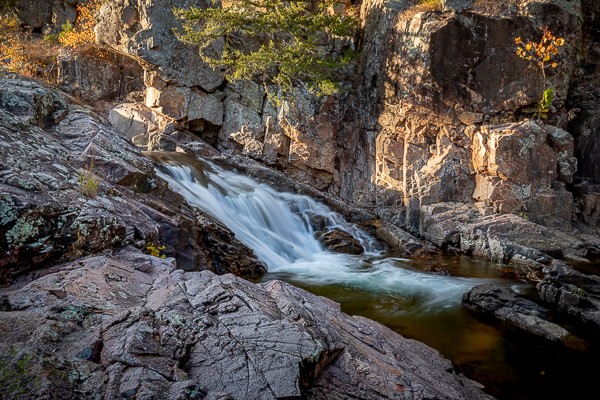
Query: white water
276, 226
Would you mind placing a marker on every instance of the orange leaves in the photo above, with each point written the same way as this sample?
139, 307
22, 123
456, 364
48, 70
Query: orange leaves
81, 33
540, 52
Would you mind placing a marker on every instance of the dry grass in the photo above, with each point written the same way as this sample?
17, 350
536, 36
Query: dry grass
421, 6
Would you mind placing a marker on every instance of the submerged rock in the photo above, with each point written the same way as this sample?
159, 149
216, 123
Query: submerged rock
131, 325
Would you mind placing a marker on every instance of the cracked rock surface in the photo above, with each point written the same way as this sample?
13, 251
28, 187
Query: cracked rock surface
132, 326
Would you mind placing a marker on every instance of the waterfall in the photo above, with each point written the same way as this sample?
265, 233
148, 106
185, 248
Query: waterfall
278, 227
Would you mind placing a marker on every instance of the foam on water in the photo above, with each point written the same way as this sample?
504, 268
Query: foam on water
277, 227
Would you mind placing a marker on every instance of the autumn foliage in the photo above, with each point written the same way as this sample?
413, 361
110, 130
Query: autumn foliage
23, 54
81, 33
543, 55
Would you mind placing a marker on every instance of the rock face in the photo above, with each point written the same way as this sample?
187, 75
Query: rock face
131, 326
95, 74
48, 149
439, 114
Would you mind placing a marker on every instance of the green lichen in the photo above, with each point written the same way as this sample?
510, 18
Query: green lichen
22, 231
16, 378
7, 213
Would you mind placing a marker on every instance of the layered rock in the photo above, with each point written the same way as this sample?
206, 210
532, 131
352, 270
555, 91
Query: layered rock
571, 292
512, 309
507, 238
132, 326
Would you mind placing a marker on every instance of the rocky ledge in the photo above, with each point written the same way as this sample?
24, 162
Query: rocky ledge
130, 325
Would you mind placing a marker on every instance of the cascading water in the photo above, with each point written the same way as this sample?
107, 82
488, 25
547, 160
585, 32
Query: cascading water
278, 228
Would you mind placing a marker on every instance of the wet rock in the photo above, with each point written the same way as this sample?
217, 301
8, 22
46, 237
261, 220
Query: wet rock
507, 306
167, 333
400, 241
44, 216
225, 253
339, 241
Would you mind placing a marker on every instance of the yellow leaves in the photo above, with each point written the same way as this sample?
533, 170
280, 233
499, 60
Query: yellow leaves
541, 53
81, 33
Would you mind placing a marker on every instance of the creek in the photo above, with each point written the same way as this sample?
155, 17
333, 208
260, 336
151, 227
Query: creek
399, 293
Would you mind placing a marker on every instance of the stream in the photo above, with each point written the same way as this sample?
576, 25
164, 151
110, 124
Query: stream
399, 293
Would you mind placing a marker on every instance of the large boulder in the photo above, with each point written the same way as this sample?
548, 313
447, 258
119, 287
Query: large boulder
132, 326
144, 29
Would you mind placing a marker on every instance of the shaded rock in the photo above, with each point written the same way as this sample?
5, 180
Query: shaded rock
31, 102
97, 74
340, 242
144, 30
506, 306
505, 238
225, 253
165, 333
571, 292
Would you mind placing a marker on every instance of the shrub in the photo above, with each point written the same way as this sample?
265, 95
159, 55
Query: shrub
21, 53
88, 182
285, 43
155, 249
81, 32
542, 55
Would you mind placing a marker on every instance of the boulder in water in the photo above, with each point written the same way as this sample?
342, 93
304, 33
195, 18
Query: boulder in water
340, 242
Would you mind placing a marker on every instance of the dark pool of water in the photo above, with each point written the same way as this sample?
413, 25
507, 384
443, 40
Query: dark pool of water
512, 365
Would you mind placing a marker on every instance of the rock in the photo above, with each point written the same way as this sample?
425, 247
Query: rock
166, 334
339, 241
96, 74
506, 306
507, 238
517, 167
44, 216
31, 102
131, 119
571, 292
470, 118
400, 241
225, 253
456, 5
204, 108
144, 30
